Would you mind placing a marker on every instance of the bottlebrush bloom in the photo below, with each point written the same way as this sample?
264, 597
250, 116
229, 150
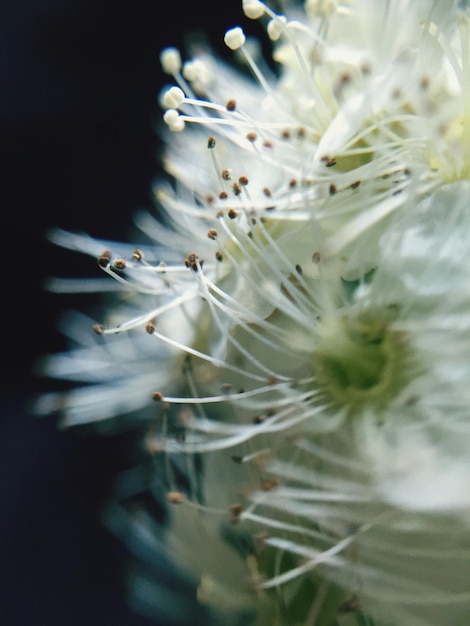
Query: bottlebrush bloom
295, 333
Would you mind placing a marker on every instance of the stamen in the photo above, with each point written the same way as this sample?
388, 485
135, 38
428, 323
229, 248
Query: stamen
209, 358
223, 397
314, 557
277, 300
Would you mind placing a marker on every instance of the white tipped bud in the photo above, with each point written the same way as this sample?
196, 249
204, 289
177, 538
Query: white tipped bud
174, 121
199, 71
320, 8
234, 38
191, 70
253, 9
275, 27
173, 98
170, 60
178, 126
170, 116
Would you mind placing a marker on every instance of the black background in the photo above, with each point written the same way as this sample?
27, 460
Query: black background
79, 82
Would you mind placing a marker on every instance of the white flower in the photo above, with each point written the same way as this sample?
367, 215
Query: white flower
347, 490
366, 109
301, 321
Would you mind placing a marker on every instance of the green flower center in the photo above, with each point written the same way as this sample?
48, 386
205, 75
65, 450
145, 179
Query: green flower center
361, 360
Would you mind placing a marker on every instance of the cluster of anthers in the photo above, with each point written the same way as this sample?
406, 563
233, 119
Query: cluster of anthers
295, 330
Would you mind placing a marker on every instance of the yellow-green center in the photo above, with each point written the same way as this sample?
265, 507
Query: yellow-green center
360, 360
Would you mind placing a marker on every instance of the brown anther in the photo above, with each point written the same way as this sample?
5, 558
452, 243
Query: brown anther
298, 269
285, 134
333, 189
236, 189
175, 497
223, 195
272, 380
345, 78
104, 258
150, 327
157, 396
301, 132
271, 207
193, 261
210, 198
225, 387
292, 183
235, 512
330, 162
232, 214
355, 184
220, 213
137, 254
212, 233
219, 257
226, 174
243, 180
267, 192
98, 329
252, 136
211, 142
253, 221
316, 258
231, 104
424, 83
120, 264
259, 419
267, 144
268, 484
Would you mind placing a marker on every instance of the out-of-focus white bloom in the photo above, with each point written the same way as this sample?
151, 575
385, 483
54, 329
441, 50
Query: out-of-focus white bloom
350, 460
300, 319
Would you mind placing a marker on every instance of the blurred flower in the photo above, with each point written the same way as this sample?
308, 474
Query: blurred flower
295, 330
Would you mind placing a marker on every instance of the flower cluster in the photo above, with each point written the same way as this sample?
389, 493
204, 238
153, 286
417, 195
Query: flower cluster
294, 331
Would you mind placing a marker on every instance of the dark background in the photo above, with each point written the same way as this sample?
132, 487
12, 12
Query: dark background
79, 81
